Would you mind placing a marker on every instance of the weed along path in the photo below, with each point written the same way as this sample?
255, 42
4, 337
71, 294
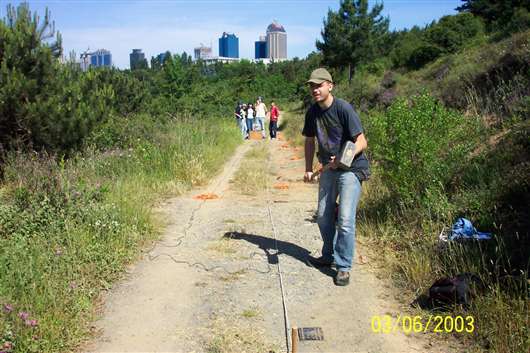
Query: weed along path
211, 283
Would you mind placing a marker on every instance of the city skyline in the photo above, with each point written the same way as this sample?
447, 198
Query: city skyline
180, 26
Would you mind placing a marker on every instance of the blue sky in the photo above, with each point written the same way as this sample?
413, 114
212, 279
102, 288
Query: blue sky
180, 25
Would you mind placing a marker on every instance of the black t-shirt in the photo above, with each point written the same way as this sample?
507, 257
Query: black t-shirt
333, 127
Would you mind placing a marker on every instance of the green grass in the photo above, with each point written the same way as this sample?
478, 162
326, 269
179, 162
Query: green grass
68, 228
489, 79
250, 313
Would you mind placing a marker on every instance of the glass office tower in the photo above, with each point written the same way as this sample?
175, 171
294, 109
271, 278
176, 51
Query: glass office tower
229, 46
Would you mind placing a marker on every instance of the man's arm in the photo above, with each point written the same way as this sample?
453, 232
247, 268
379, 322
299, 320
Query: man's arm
360, 143
309, 150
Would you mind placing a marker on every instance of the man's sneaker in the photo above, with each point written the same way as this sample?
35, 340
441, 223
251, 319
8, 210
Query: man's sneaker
320, 261
342, 278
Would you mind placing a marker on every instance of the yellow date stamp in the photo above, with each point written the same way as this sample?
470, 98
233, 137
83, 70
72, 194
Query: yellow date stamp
420, 324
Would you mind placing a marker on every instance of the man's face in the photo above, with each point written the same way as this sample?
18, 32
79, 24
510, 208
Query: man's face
320, 92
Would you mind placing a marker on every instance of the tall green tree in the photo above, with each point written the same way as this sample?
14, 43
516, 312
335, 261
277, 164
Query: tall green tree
500, 15
27, 70
43, 103
353, 35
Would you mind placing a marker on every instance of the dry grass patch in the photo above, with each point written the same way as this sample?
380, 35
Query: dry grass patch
252, 176
226, 336
223, 246
234, 276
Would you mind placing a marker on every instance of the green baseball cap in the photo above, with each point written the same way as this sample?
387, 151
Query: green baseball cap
319, 75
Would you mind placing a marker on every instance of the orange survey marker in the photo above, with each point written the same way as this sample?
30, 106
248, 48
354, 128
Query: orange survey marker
281, 186
207, 196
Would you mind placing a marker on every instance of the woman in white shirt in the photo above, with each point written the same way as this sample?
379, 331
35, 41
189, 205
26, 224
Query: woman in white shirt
250, 118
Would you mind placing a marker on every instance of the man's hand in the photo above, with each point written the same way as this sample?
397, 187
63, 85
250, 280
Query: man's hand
308, 177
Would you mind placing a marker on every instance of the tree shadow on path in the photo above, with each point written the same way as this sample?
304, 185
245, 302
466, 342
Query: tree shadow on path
268, 245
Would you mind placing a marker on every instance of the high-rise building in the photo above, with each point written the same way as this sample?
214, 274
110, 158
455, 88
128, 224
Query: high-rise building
276, 42
101, 57
260, 48
137, 59
229, 46
203, 52
97, 58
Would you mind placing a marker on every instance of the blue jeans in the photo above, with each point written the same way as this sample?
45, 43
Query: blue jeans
261, 122
250, 122
338, 234
243, 127
273, 127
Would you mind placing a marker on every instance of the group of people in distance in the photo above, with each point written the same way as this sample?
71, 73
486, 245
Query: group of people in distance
251, 117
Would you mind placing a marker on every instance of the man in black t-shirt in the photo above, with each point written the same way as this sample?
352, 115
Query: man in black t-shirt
333, 121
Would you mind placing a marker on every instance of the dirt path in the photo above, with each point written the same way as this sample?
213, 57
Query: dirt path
211, 283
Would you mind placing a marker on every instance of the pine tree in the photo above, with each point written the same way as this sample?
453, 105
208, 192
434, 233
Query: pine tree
26, 70
43, 103
352, 35
500, 15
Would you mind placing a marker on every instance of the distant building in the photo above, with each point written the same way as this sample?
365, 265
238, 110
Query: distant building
260, 48
137, 59
98, 58
265, 61
101, 58
276, 42
229, 46
220, 59
202, 52
162, 57
84, 60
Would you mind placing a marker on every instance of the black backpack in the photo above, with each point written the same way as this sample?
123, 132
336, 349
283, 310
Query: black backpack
456, 290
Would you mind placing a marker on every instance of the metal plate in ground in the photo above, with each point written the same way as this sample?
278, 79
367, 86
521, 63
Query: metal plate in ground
310, 334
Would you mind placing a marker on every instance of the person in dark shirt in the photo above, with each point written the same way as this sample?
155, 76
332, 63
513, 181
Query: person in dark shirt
333, 121
240, 119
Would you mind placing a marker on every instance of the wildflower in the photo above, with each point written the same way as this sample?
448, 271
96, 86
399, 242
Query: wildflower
23, 315
8, 308
31, 323
7, 345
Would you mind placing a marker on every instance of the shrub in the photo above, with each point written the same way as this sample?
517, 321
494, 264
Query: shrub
404, 45
420, 144
451, 33
422, 55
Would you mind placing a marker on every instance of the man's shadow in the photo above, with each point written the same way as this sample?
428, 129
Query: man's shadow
268, 245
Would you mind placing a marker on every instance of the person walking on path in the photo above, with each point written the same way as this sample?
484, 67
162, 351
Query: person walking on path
244, 121
240, 119
250, 118
261, 113
273, 123
334, 121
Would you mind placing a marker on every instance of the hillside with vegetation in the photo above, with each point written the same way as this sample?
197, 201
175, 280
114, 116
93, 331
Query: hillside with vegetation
84, 155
